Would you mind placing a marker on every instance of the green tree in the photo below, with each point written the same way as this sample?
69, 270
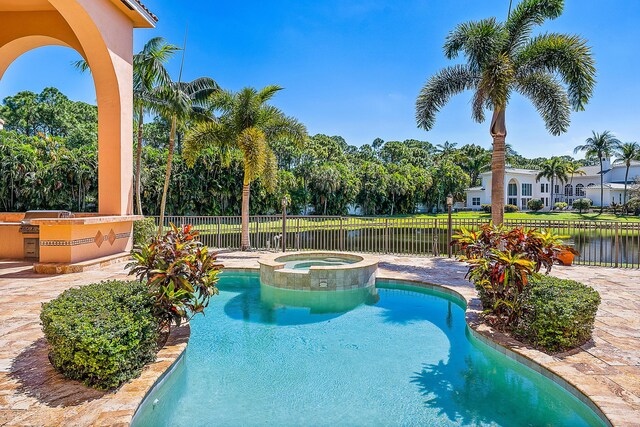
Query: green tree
626, 153
148, 72
502, 58
555, 170
249, 124
600, 146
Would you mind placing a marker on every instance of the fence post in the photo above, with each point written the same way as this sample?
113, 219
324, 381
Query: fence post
298, 234
436, 237
341, 236
386, 236
616, 243
218, 232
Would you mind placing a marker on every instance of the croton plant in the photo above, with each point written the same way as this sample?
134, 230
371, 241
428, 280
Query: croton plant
502, 260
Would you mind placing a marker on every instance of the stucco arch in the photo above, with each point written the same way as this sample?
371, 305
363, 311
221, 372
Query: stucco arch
103, 35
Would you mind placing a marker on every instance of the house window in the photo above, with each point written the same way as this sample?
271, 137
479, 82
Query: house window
580, 190
512, 189
568, 190
527, 189
542, 188
546, 201
512, 201
556, 189
524, 203
475, 201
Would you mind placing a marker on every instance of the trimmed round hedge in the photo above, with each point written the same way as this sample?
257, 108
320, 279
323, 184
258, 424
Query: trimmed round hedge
102, 334
557, 314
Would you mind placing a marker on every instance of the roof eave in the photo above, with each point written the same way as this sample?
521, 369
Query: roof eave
140, 15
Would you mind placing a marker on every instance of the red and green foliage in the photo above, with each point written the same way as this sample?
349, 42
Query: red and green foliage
502, 261
180, 273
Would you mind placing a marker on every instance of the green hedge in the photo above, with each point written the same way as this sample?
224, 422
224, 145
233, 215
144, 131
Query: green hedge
102, 334
557, 314
143, 231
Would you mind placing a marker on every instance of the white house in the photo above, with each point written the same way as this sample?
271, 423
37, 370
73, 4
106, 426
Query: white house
521, 186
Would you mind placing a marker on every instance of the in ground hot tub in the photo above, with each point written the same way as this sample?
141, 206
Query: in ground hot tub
318, 271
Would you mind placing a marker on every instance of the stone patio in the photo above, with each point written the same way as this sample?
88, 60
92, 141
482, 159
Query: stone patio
32, 393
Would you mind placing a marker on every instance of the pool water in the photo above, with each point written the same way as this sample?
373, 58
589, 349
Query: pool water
400, 356
304, 264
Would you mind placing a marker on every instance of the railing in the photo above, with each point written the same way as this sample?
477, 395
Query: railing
612, 244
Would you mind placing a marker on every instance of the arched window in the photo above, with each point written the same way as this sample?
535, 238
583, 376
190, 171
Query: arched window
580, 190
591, 185
568, 190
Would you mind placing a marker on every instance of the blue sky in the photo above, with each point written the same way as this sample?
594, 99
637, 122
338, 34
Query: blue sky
354, 67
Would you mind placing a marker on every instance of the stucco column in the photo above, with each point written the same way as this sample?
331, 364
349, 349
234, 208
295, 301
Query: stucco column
106, 36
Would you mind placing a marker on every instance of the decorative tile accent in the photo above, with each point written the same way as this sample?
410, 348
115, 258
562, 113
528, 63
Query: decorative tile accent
99, 238
86, 241
111, 237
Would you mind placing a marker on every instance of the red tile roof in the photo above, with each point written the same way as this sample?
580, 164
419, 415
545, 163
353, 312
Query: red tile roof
147, 10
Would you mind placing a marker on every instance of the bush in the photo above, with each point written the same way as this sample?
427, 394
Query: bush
101, 334
535, 205
557, 314
486, 208
501, 263
179, 272
582, 204
560, 206
143, 231
511, 208
633, 205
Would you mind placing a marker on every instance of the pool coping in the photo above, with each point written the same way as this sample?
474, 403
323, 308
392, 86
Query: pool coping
506, 345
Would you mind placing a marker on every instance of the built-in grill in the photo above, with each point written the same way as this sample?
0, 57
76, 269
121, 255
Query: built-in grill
32, 244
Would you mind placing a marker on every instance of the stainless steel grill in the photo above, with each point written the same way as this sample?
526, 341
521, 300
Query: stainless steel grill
32, 243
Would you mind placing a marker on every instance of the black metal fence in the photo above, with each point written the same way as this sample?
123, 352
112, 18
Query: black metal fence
604, 243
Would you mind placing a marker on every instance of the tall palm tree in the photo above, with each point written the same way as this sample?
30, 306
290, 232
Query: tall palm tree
446, 149
626, 153
573, 168
148, 72
251, 125
503, 58
599, 145
555, 170
179, 102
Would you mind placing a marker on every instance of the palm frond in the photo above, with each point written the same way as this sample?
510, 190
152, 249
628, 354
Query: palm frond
478, 40
81, 65
267, 92
439, 88
550, 99
526, 15
567, 55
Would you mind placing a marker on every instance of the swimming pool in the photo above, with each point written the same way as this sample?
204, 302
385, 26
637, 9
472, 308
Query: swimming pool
401, 355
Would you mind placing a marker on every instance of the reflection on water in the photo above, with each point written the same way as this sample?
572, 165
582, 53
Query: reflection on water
318, 302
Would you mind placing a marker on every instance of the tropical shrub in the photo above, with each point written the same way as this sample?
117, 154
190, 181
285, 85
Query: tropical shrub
535, 205
557, 314
560, 206
101, 334
501, 262
633, 205
486, 208
511, 208
582, 204
143, 231
179, 272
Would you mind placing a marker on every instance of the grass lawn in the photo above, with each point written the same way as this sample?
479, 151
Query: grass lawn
559, 216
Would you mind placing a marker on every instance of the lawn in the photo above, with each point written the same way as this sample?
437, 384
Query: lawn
546, 216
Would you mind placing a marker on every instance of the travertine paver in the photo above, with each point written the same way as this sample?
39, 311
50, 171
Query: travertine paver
31, 393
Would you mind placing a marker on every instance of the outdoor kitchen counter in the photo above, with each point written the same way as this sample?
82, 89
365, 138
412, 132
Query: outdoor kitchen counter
86, 220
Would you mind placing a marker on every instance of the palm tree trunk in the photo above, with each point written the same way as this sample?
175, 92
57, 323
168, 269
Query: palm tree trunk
601, 186
551, 202
626, 177
499, 134
139, 159
245, 243
167, 175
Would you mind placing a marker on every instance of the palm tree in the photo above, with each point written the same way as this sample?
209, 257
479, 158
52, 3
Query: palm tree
573, 168
179, 102
446, 149
599, 145
148, 72
555, 170
251, 125
503, 58
626, 153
